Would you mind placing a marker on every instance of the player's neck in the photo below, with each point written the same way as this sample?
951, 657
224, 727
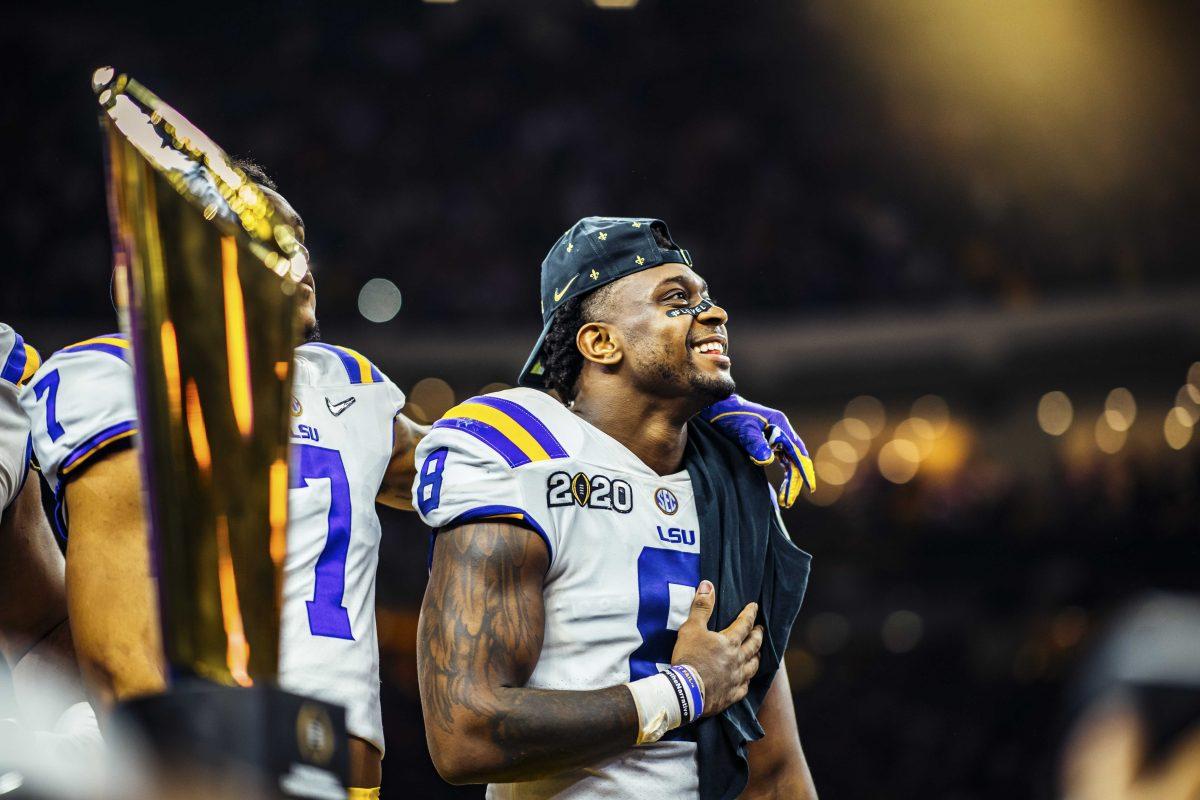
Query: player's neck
653, 430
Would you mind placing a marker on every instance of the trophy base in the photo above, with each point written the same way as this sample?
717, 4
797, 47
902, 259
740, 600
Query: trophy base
208, 740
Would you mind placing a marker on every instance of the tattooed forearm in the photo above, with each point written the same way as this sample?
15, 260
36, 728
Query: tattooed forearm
479, 640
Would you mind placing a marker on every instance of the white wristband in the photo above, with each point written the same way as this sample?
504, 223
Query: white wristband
662, 702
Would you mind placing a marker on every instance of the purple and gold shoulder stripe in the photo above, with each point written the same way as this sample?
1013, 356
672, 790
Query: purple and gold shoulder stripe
507, 427
82, 452
358, 368
115, 344
21, 363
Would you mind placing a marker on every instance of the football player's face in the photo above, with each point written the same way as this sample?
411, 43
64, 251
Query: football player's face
684, 355
306, 304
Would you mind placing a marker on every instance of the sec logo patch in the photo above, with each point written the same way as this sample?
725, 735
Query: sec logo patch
297, 409
666, 501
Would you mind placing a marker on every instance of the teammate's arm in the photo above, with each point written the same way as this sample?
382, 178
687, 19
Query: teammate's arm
778, 768
35, 638
396, 489
110, 593
480, 635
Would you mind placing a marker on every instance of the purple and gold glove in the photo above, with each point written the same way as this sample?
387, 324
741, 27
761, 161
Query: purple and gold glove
765, 434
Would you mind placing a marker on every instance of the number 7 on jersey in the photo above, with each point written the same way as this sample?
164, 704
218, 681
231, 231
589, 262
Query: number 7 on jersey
326, 614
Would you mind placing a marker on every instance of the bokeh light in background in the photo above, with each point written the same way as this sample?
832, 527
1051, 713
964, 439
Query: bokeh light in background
1054, 413
902, 631
429, 399
1120, 409
898, 460
1177, 428
1109, 439
933, 410
870, 411
379, 300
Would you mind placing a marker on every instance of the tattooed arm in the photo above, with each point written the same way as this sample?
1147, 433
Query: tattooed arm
479, 638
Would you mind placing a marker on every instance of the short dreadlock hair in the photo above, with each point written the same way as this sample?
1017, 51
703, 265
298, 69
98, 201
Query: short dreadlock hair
561, 360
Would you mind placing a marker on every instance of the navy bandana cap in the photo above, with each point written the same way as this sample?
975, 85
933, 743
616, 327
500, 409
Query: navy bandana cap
593, 252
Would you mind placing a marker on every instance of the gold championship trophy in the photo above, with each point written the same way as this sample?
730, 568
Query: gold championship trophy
208, 267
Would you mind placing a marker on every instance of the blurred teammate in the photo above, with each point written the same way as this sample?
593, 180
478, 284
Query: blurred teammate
1136, 729
35, 638
552, 659
350, 448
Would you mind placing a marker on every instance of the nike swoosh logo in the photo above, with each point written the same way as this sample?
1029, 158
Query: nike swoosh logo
558, 293
337, 408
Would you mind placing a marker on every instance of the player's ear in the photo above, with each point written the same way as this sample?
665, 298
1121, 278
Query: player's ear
598, 343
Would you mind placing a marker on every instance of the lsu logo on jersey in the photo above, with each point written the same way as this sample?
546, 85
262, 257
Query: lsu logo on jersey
595, 491
676, 535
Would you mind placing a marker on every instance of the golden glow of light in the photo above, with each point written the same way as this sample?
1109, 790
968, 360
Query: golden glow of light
281, 369
237, 649
277, 493
870, 411
1185, 400
1109, 439
170, 356
433, 395
236, 343
853, 432
919, 432
196, 430
1193, 379
949, 453
835, 463
1184, 406
1120, 409
934, 410
831, 472
615, 3
494, 387
1178, 428
1188, 396
1053, 84
898, 460
840, 451
1054, 413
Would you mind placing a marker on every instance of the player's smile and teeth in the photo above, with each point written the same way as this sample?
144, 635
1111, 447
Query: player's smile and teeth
714, 347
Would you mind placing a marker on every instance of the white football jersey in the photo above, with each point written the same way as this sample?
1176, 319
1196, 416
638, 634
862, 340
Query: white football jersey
341, 441
624, 546
18, 361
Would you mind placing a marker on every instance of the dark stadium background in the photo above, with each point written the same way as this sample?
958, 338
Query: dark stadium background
984, 203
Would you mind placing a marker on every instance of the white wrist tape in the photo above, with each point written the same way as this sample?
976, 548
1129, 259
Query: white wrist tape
666, 701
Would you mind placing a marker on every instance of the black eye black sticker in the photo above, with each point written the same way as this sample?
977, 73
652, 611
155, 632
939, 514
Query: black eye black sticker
699, 308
